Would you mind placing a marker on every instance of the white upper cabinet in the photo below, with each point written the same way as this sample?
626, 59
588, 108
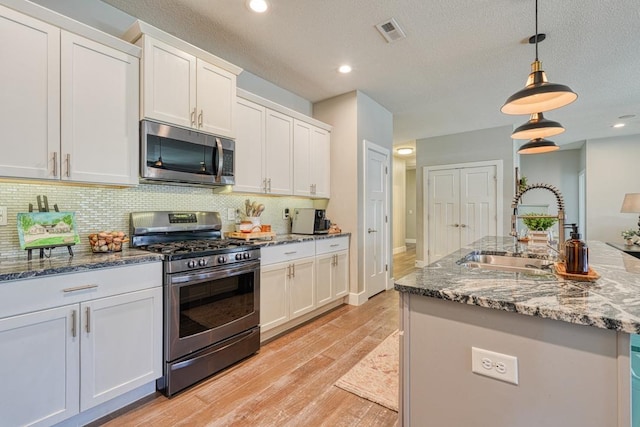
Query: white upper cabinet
69, 105
311, 162
184, 85
250, 147
30, 100
278, 153
99, 112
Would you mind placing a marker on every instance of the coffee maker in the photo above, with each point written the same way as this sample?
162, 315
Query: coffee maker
309, 221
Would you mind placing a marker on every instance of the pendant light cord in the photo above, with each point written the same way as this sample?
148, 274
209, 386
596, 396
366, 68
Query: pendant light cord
536, 36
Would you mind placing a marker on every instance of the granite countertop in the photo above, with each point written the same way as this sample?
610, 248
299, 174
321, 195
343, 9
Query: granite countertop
61, 263
284, 239
611, 302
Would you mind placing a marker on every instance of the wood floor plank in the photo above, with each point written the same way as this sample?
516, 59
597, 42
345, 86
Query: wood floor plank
290, 382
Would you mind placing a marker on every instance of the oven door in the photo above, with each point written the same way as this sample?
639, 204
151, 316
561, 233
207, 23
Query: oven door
209, 306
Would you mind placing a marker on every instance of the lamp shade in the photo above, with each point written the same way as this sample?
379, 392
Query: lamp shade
538, 94
538, 146
537, 127
631, 203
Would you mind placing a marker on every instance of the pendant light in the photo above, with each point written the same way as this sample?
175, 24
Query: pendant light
538, 146
537, 127
538, 94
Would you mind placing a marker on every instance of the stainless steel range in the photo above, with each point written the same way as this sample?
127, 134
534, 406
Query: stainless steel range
211, 294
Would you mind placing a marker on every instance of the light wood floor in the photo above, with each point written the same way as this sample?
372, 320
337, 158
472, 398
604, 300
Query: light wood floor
290, 381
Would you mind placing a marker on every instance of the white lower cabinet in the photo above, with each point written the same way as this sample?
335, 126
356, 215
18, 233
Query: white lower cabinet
106, 341
300, 278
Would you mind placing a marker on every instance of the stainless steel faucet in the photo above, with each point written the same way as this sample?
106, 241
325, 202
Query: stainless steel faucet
559, 216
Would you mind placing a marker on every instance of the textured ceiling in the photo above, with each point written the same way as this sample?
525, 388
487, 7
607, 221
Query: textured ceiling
460, 61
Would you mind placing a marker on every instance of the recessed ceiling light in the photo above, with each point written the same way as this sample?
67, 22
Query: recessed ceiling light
405, 150
618, 125
259, 6
344, 69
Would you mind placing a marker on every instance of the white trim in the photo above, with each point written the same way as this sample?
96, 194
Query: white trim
370, 146
399, 250
357, 299
499, 165
241, 93
420, 263
410, 241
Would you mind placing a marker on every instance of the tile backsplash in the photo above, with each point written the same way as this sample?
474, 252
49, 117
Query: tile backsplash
108, 208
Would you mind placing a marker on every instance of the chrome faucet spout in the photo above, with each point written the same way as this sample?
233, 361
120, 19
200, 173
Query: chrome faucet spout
560, 215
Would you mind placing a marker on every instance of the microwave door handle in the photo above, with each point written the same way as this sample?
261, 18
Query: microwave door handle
220, 159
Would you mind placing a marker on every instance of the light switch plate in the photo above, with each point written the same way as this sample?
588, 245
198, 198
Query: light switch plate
500, 366
3, 215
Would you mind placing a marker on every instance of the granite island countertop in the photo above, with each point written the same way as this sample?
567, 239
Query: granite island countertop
284, 239
61, 263
611, 302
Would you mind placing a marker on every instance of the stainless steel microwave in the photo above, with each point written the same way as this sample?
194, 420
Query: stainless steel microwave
177, 155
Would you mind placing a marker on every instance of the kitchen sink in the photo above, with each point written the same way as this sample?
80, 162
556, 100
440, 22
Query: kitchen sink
490, 261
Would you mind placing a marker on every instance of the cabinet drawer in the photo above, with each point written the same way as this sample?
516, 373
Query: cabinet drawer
23, 296
287, 252
334, 244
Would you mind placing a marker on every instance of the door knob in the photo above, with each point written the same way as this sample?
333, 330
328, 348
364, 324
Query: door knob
371, 230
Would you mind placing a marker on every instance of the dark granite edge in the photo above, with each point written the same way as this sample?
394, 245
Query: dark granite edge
519, 308
285, 239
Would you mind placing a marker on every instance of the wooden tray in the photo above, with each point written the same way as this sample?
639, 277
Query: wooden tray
268, 235
561, 270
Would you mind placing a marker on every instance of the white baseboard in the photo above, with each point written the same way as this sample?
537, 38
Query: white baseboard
420, 263
399, 250
357, 299
410, 241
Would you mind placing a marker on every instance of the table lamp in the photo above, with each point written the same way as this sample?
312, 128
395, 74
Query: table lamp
631, 204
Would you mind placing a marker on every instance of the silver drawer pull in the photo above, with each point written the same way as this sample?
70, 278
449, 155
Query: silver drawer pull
88, 320
73, 324
290, 253
79, 288
337, 244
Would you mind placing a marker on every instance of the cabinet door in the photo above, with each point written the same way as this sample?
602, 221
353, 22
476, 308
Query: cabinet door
121, 344
274, 295
324, 272
39, 369
216, 99
340, 275
169, 84
278, 153
250, 128
320, 164
99, 107
302, 183
302, 287
30, 92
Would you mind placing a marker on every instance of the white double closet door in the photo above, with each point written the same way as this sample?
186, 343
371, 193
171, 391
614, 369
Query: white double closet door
462, 207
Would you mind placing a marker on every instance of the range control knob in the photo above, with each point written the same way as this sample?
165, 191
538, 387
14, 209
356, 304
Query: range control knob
238, 256
202, 262
192, 263
221, 260
246, 255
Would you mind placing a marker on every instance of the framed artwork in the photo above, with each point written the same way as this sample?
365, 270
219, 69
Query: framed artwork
47, 229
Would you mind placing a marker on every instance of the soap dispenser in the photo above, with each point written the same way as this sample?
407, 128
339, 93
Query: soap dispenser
576, 254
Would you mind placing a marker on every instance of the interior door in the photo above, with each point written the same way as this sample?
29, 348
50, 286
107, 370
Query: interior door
462, 208
375, 223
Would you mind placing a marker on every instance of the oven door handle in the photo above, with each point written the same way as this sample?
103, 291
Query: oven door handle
191, 278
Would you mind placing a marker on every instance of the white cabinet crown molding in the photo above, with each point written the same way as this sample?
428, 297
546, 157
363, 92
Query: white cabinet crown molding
139, 28
282, 109
71, 25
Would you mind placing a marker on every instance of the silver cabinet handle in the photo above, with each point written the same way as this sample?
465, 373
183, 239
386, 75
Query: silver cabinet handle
193, 117
269, 181
455, 225
463, 225
68, 160
335, 260
371, 230
290, 253
55, 163
79, 288
289, 271
73, 324
293, 269
200, 120
88, 314
335, 244
264, 184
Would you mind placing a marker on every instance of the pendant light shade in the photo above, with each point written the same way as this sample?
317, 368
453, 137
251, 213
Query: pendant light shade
537, 146
538, 94
537, 127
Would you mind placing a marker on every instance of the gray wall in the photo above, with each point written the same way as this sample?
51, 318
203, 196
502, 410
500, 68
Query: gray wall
560, 169
476, 146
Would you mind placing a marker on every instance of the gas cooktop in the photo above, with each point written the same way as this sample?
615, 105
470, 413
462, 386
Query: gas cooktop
196, 247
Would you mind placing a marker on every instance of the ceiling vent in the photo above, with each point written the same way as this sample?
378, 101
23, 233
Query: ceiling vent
390, 30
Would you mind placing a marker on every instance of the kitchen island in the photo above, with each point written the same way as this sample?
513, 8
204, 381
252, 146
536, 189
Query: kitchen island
571, 341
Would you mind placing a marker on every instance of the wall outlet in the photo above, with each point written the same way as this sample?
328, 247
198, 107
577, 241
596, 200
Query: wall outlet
500, 366
3, 215
285, 213
231, 214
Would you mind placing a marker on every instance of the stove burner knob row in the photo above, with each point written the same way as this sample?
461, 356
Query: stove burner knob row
202, 262
238, 256
222, 259
245, 255
192, 263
